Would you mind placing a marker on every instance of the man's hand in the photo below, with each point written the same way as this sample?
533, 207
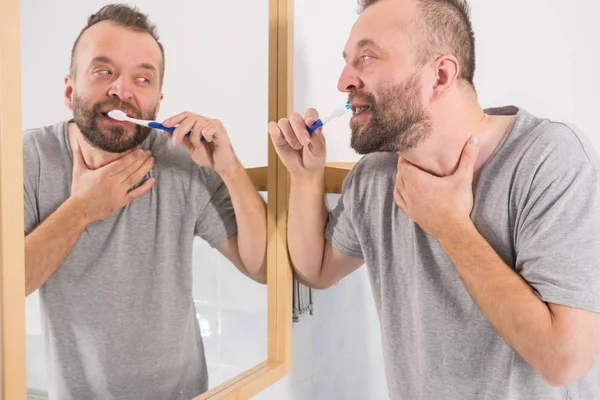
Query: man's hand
99, 193
434, 203
216, 152
299, 152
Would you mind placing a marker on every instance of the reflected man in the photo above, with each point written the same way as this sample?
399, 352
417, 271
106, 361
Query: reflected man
111, 212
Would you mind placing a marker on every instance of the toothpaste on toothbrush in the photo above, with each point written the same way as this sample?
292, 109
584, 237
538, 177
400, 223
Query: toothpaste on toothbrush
322, 121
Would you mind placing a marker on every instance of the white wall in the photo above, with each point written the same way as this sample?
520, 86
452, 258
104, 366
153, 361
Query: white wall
217, 66
537, 54
541, 55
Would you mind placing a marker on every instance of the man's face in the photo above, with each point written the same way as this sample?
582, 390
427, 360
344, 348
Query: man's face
383, 85
115, 68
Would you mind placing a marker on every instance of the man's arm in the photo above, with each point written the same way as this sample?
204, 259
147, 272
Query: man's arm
314, 259
48, 245
317, 263
209, 146
247, 249
561, 343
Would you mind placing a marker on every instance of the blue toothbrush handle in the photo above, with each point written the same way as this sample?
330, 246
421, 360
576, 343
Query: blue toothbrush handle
318, 123
157, 125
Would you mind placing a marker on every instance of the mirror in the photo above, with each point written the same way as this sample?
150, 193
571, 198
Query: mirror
217, 65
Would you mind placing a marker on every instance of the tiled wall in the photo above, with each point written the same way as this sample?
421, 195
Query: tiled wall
232, 311
337, 351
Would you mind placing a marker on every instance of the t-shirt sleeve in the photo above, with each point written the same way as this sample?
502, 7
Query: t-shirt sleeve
557, 241
31, 168
216, 219
340, 230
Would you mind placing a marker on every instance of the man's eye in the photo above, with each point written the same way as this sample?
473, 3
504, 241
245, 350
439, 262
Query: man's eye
365, 57
144, 80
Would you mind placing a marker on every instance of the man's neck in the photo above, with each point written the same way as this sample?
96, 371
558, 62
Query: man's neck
452, 127
94, 158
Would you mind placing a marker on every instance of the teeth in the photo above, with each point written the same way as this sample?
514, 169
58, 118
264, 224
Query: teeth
360, 109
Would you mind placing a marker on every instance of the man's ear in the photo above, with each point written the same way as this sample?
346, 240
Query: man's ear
446, 69
69, 83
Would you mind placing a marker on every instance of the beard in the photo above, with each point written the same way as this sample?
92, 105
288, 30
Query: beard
398, 120
110, 138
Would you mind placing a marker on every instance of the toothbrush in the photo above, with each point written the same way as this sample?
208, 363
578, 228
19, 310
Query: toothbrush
320, 122
121, 116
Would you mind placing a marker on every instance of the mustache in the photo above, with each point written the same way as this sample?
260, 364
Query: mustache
366, 98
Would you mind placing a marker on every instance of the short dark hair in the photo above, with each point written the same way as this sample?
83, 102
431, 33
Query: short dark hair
128, 17
445, 28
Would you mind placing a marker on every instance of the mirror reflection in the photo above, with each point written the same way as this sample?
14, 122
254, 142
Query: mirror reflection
145, 244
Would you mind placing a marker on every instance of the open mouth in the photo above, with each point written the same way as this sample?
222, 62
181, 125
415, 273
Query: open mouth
111, 121
360, 109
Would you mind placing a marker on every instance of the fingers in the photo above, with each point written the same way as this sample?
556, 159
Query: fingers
186, 126
405, 168
299, 126
317, 144
119, 165
293, 130
203, 154
413, 175
78, 161
185, 122
279, 141
175, 119
400, 186
311, 116
214, 130
468, 158
137, 162
288, 133
137, 175
399, 199
195, 135
140, 190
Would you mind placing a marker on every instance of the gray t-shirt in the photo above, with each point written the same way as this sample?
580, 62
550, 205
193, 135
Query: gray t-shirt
118, 314
537, 203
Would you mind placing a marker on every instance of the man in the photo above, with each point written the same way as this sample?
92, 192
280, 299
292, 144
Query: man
111, 211
480, 228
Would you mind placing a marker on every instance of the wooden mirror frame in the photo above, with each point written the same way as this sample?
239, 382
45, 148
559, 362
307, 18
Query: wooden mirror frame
12, 260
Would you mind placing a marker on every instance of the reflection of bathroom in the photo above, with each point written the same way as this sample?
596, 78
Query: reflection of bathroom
231, 313
231, 309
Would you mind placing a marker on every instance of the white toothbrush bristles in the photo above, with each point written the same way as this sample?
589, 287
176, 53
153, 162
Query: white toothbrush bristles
117, 114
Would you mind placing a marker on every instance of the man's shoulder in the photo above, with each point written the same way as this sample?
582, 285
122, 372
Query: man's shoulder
373, 176
372, 166
35, 139
40, 143
550, 143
